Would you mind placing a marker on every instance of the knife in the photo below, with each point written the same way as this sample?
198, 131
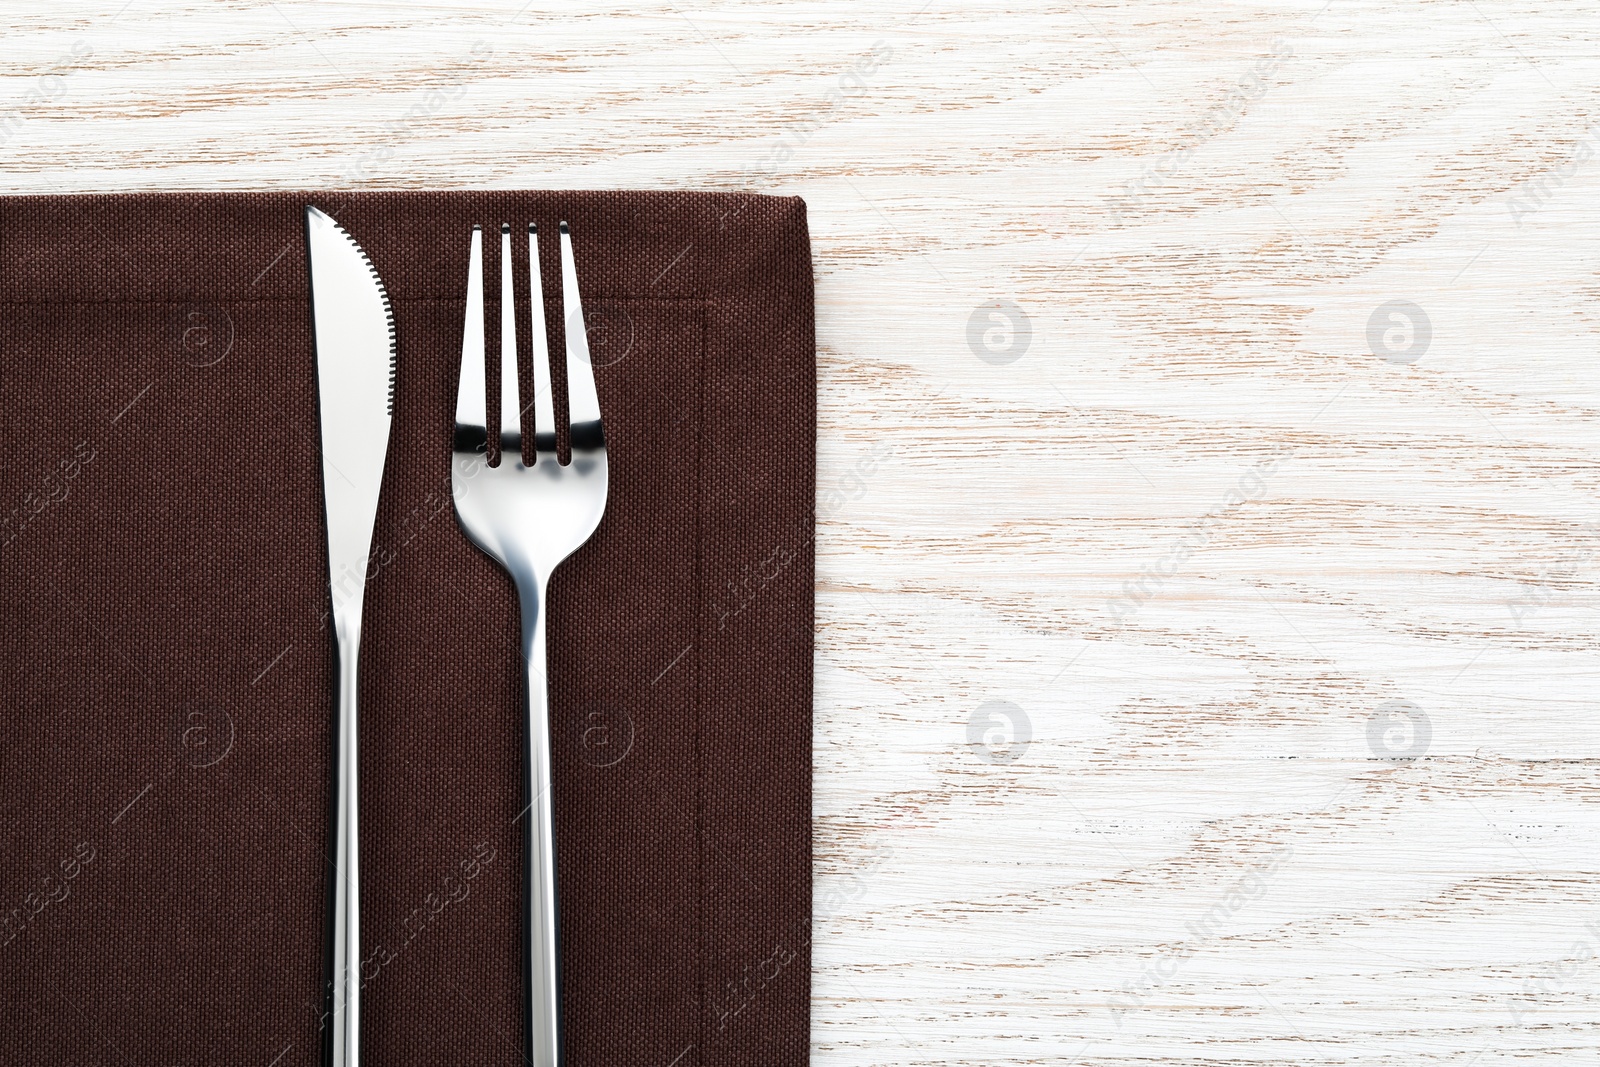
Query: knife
353, 327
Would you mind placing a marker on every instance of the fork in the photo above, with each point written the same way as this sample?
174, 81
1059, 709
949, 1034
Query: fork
529, 517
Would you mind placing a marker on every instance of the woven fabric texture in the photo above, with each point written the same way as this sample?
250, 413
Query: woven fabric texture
166, 679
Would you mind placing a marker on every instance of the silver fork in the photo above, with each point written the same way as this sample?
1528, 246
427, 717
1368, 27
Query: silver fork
530, 517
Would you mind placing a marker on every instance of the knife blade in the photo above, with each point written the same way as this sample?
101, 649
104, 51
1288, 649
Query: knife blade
353, 331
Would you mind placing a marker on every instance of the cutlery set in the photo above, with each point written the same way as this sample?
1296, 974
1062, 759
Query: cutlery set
528, 512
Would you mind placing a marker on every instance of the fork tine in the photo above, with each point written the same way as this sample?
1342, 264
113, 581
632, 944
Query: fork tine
544, 412
510, 398
472, 418
583, 402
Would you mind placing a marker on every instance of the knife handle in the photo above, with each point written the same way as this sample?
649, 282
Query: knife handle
344, 955
541, 947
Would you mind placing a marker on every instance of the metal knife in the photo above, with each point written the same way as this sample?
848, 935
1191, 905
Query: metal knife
355, 352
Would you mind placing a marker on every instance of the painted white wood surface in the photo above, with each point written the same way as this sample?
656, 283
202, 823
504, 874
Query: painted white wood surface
1118, 640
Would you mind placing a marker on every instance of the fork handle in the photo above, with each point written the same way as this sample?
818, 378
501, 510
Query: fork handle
541, 947
344, 956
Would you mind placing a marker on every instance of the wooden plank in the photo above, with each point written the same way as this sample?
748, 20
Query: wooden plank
1205, 671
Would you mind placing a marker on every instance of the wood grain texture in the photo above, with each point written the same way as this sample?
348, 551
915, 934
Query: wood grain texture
1205, 670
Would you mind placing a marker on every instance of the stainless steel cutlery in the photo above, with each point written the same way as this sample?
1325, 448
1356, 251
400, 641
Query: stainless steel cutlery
355, 353
529, 517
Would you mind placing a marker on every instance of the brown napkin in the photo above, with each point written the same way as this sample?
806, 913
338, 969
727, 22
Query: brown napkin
165, 668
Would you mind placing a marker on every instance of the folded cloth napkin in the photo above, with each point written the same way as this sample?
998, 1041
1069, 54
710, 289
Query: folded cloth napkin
166, 678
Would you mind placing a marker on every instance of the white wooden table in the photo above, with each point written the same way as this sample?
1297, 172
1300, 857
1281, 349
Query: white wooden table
1206, 642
